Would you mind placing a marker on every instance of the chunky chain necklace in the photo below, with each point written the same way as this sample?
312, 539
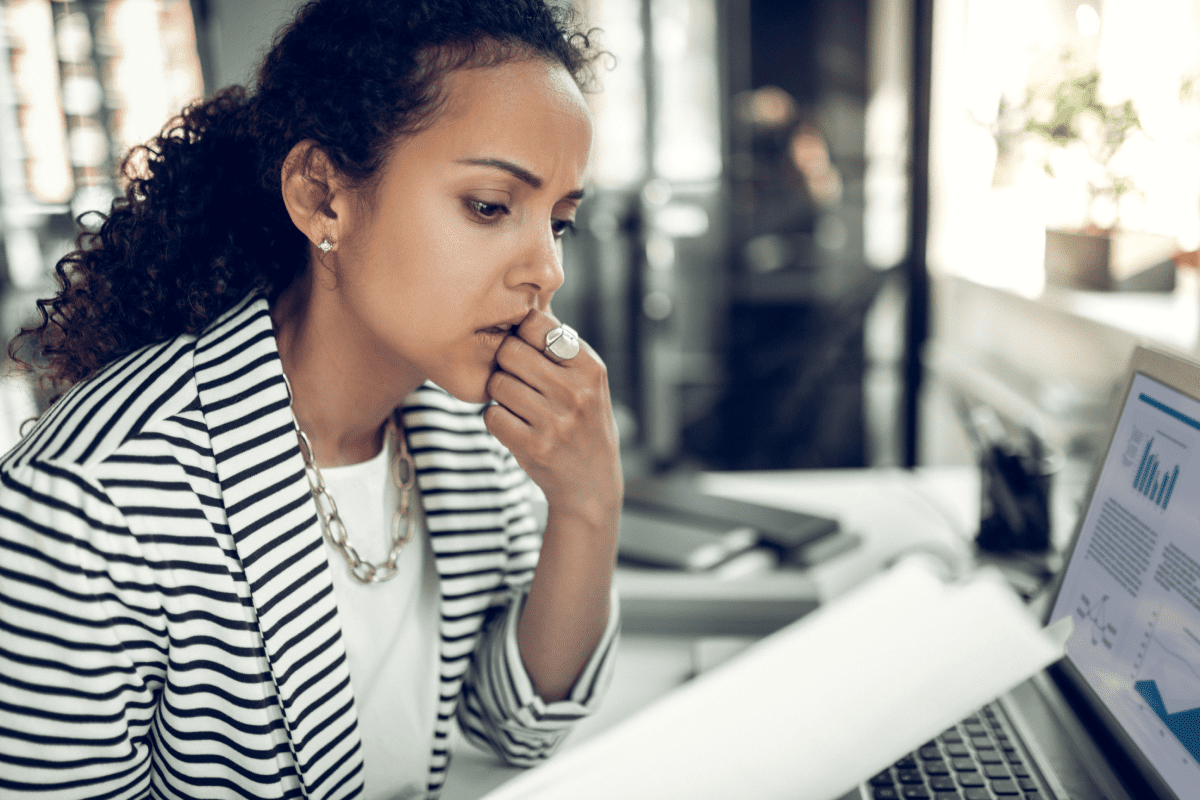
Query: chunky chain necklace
404, 522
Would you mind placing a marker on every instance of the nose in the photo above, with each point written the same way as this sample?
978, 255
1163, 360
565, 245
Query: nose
539, 266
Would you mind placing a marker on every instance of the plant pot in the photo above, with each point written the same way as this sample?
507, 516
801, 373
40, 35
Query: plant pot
1106, 261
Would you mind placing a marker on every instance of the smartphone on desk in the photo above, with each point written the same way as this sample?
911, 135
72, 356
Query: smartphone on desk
684, 543
786, 530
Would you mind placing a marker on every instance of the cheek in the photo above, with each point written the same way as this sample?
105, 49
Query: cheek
449, 261
435, 276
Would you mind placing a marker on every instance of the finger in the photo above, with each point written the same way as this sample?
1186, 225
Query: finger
534, 330
509, 429
536, 446
535, 326
516, 395
518, 358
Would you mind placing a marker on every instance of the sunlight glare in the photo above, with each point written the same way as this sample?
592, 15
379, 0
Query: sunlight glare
1088, 20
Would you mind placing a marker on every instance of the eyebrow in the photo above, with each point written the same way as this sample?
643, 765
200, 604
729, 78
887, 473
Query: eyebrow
518, 172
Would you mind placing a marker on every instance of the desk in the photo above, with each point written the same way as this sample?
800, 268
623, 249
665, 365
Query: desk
895, 511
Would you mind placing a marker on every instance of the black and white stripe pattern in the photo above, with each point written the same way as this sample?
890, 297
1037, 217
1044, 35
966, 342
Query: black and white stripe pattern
168, 626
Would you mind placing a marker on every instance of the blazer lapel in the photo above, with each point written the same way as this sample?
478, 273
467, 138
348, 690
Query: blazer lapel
458, 475
277, 536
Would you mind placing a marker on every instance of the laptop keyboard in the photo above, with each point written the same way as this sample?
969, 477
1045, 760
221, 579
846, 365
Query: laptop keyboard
978, 759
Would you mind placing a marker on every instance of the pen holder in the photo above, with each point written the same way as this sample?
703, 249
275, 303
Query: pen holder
1015, 502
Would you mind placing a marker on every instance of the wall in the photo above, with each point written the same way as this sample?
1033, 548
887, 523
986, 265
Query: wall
240, 31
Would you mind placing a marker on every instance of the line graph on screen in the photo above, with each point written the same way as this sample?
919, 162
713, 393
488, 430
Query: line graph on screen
1166, 673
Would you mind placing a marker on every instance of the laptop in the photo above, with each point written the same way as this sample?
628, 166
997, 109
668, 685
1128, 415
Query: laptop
1119, 716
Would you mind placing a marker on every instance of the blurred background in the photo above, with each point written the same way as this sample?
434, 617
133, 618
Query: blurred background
815, 227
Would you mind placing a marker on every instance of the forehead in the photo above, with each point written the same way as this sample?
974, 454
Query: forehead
529, 109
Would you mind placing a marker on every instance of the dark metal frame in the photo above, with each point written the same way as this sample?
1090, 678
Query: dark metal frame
916, 268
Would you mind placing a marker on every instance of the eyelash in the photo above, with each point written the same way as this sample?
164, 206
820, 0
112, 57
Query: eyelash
478, 207
489, 213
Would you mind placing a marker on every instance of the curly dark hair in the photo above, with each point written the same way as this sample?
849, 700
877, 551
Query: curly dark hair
202, 220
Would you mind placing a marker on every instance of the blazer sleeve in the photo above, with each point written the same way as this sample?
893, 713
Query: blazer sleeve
82, 640
500, 710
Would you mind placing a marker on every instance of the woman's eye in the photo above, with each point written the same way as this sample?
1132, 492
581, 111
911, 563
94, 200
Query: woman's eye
562, 227
486, 211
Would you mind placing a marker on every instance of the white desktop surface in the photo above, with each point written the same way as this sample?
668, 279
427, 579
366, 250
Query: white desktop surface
895, 511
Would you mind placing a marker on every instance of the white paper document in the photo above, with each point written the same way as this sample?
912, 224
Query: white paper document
823, 704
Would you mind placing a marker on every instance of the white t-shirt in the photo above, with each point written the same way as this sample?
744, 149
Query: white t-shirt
390, 631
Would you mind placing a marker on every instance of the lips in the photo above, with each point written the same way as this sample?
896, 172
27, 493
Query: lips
506, 327
503, 328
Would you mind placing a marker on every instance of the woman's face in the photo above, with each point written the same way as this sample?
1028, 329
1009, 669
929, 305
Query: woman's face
461, 240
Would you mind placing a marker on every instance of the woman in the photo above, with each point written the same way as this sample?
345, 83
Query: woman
305, 295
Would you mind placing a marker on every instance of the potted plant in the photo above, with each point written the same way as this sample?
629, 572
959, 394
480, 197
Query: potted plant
1071, 116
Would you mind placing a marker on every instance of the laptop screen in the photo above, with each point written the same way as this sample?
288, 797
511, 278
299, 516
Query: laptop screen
1133, 582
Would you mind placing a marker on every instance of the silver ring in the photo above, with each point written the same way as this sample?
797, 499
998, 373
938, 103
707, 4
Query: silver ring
562, 343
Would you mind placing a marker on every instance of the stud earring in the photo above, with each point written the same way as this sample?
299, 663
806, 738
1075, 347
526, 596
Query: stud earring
325, 245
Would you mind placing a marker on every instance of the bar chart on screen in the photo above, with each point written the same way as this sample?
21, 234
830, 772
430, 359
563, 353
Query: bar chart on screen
1158, 455
1153, 480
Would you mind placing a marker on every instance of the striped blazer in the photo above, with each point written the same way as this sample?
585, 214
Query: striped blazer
168, 626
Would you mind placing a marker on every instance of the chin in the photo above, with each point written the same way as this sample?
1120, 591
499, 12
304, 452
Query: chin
469, 389
480, 396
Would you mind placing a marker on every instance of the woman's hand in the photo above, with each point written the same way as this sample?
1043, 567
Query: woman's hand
556, 418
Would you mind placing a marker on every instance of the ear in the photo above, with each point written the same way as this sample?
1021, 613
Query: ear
312, 192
